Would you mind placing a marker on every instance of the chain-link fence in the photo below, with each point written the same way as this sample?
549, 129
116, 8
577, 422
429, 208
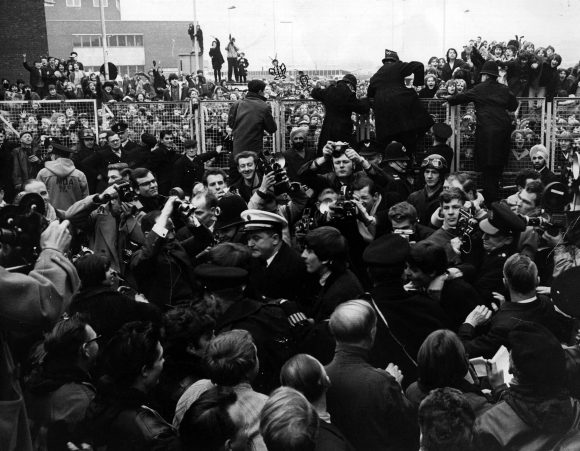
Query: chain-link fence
300, 113
152, 118
564, 133
48, 118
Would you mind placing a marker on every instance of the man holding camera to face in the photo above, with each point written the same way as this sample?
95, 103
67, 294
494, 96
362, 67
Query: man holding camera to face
339, 166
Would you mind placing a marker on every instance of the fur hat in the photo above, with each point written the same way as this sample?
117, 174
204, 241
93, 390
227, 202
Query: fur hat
350, 78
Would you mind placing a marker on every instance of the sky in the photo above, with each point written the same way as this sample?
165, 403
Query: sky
352, 35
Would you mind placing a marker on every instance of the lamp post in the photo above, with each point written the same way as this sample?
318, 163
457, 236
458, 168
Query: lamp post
195, 47
291, 37
104, 38
230, 18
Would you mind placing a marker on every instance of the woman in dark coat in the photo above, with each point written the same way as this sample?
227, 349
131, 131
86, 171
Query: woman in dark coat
494, 126
399, 114
217, 60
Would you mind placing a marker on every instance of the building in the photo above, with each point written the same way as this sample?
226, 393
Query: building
22, 30
75, 25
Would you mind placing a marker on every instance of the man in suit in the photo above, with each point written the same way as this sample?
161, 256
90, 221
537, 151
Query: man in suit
38, 74
128, 147
276, 271
521, 278
163, 157
96, 165
189, 168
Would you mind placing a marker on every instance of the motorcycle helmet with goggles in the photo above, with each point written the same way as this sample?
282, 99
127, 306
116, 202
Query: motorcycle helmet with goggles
434, 161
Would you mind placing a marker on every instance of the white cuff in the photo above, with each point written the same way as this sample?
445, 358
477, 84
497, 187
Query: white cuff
160, 230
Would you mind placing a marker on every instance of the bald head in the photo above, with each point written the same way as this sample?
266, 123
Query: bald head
354, 322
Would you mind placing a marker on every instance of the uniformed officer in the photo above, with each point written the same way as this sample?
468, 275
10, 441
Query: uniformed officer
501, 231
441, 133
276, 271
267, 322
395, 164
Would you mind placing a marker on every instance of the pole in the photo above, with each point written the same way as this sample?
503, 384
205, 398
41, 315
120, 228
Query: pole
195, 43
444, 23
104, 38
274, 21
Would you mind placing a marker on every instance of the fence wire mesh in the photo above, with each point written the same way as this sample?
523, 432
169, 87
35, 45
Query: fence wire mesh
152, 118
48, 119
564, 133
300, 113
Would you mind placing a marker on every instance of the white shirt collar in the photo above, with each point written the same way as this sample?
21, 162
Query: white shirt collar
527, 301
269, 261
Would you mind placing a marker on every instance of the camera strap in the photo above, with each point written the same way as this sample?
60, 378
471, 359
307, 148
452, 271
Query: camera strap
370, 299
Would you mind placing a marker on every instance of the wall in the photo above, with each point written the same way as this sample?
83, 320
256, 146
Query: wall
22, 30
162, 41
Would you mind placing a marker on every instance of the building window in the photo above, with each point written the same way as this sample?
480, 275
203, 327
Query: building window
73, 3
96, 3
113, 40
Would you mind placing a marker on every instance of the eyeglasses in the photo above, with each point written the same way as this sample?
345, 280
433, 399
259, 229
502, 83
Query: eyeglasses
437, 163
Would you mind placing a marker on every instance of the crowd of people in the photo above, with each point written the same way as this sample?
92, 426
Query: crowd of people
341, 295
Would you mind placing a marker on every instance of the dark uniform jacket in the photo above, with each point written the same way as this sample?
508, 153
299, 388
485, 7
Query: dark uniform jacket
96, 165
248, 119
508, 316
367, 404
284, 278
340, 102
397, 108
492, 137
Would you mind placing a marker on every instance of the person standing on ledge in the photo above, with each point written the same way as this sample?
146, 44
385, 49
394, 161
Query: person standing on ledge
399, 114
492, 137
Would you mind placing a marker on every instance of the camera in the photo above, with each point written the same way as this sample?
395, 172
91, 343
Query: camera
339, 149
269, 162
467, 224
21, 225
125, 192
344, 208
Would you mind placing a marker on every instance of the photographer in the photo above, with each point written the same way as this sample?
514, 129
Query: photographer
289, 205
247, 165
346, 165
30, 305
162, 267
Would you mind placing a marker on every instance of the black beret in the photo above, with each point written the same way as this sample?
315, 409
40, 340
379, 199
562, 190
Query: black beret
214, 277
537, 355
388, 250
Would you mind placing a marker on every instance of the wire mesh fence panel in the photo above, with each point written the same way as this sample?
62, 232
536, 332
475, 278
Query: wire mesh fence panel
214, 130
300, 113
564, 131
152, 118
48, 119
440, 112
